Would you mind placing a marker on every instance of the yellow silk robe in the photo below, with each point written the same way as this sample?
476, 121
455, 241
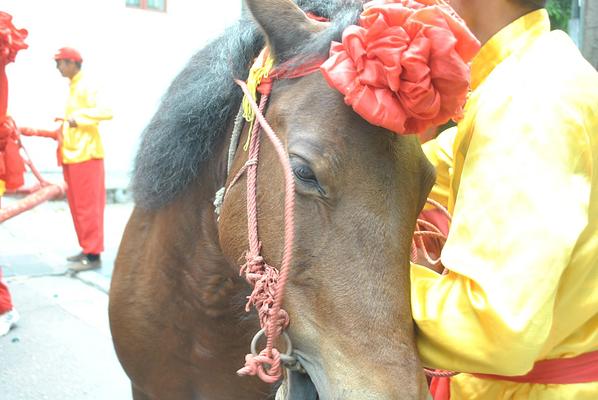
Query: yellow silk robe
83, 143
523, 245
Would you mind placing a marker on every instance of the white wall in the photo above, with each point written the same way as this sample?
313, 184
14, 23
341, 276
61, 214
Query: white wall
132, 54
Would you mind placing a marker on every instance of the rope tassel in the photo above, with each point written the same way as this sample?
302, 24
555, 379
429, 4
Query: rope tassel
255, 365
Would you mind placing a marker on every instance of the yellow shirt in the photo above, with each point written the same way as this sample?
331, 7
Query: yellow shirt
2, 187
83, 142
440, 154
523, 245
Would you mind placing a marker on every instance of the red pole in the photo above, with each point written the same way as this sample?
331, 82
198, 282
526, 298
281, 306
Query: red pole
44, 194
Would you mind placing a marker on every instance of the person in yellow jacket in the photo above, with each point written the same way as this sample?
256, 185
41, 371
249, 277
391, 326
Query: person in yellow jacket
517, 312
82, 158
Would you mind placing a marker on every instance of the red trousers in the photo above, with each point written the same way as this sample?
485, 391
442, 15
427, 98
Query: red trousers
86, 194
5, 300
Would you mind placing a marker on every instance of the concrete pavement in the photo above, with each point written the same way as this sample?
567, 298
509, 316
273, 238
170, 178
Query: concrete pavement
61, 348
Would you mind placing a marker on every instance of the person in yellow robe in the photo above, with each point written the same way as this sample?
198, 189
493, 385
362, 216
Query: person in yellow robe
81, 154
517, 312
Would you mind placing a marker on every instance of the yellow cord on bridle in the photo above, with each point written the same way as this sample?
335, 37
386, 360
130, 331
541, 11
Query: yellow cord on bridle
257, 72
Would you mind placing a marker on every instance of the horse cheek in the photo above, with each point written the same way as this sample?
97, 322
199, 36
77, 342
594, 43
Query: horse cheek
232, 226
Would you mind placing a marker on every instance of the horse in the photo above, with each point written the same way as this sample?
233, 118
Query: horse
177, 302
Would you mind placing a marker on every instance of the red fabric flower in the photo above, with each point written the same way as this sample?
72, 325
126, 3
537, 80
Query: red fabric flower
405, 67
11, 163
11, 39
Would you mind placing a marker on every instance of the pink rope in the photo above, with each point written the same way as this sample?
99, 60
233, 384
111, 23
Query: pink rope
426, 229
440, 207
440, 373
268, 283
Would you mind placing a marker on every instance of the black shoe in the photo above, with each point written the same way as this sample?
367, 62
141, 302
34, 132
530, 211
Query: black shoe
76, 257
87, 263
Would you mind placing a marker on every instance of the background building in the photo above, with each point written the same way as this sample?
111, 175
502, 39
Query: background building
132, 48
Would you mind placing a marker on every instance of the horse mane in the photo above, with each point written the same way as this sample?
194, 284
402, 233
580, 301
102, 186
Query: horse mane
203, 99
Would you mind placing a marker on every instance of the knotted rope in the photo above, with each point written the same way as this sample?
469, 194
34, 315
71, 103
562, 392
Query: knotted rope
424, 229
268, 282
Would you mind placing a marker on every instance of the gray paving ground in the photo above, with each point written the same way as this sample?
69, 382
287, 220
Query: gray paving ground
61, 349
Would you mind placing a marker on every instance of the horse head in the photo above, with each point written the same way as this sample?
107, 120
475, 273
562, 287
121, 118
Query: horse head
358, 191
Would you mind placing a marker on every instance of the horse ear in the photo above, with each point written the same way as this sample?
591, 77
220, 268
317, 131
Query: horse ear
285, 25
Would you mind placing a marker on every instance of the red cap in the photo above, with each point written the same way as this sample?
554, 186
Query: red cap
68, 53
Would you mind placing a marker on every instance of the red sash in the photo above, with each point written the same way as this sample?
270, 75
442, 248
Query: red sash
560, 371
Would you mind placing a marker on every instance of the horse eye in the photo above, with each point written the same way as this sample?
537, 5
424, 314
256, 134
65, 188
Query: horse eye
306, 176
305, 173
302, 170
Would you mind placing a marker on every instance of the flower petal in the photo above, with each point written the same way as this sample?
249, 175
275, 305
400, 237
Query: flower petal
405, 68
